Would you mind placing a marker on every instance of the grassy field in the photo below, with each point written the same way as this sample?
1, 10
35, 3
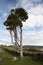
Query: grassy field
7, 58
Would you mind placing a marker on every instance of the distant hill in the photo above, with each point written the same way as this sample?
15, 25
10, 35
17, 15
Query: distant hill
33, 47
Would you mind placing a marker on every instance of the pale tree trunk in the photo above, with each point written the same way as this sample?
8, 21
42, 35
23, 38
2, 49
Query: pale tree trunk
21, 50
11, 36
15, 36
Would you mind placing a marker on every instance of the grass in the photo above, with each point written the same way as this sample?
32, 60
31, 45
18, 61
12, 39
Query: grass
27, 60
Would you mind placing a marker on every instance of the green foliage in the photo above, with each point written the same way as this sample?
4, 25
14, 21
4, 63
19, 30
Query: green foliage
21, 13
12, 20
15, 18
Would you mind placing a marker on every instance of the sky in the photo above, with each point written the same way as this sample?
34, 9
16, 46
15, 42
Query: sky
32, 28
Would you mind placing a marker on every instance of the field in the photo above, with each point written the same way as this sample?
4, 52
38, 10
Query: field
9, 52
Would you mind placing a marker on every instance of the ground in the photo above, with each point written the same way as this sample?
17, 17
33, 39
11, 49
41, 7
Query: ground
8, 53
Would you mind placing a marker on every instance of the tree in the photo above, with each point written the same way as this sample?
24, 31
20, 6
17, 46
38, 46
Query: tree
23, 16
14, 19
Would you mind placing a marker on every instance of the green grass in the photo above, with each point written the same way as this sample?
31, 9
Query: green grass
27, 60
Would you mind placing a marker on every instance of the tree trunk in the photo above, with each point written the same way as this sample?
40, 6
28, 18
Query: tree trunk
11, 36
15, 36
21, 51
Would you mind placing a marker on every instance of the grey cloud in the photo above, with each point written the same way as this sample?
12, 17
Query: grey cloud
27, 4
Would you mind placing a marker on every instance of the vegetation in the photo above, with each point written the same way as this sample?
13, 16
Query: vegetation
7, 58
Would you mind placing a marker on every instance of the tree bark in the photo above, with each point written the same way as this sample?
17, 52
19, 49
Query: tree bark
11, 36
21, 50
15, 36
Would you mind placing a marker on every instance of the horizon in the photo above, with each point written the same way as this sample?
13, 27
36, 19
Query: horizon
32, 28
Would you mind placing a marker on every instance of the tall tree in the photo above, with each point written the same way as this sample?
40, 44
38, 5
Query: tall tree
14, 19
23, 16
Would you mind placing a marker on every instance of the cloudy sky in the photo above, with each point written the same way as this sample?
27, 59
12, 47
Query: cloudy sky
32, 28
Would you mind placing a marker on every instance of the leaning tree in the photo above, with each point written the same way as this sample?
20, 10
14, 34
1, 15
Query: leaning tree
23, 16
14, 19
